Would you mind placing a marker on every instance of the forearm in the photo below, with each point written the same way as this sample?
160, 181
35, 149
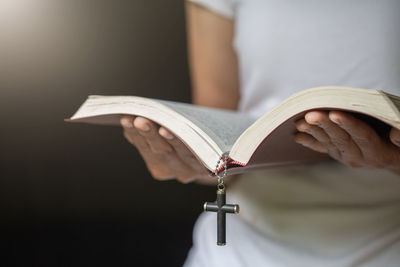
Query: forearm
213, 63
212, 59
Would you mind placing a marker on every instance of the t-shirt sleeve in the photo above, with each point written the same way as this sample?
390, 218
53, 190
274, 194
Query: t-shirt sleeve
225, 8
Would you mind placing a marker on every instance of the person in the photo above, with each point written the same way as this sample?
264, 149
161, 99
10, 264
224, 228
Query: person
251, 54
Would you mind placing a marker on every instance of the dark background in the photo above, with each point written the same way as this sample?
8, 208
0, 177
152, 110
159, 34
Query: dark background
80, 195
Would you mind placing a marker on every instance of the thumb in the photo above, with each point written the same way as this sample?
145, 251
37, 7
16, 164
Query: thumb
395, 136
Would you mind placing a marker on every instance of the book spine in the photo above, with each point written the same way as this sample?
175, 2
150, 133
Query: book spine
223, 160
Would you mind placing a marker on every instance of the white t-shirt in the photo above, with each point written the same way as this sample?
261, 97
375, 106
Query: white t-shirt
320, 214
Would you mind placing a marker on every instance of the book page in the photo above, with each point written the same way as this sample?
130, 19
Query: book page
207, 132
267, 141
270, 139
223, 126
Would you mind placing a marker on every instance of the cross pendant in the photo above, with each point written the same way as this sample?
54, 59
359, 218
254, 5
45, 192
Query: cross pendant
221, 208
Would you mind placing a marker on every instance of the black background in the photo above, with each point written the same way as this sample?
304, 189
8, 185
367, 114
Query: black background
80, 195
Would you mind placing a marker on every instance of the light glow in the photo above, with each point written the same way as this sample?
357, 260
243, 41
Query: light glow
16, 11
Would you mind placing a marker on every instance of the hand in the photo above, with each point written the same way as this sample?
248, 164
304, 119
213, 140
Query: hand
165, 155
349, 140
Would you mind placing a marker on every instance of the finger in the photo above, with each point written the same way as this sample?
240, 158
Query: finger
320, 136
157, 167
315, 131
182, 151
183, 172
168, 166
395, 136
161, 166
131, 134
313, 118
127, 121
149, 130
350, 153
310, 142
368, 141
136, 139
164, 132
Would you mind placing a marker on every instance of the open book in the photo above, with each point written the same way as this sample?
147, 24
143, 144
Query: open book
247, 142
